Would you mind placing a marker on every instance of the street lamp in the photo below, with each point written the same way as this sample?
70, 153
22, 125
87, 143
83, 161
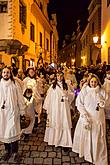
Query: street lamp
72, 61
95, 41
99, 46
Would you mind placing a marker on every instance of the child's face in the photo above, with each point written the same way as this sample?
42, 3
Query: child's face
93, 82
59, 77
31, 72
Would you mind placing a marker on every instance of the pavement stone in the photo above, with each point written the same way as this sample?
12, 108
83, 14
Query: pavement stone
38, 161
35, 154
51, 154
43, 154
59, 155
72, 160
65, 159
65, 163
48, 161
28, 161
56, 161
38, 152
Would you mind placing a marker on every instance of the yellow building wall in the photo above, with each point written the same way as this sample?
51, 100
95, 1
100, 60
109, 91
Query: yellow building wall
6, 59
31, 43
105, 35
24, 38
47, 54
20, 62
41, 25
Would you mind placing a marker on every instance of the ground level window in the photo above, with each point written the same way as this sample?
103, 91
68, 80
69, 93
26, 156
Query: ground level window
4, 7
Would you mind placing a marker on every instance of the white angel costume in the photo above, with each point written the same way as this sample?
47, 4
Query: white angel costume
29, 83
90, 133
12, 104
58, 128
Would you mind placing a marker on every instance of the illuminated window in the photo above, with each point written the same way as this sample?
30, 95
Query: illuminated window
32, 29
31, 62
4, 7
22, 12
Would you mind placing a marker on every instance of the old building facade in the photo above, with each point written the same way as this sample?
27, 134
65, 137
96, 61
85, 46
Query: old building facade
91, 52
105, 31
27, 36
70, 53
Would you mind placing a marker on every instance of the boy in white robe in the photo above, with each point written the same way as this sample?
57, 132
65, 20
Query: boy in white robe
32, 99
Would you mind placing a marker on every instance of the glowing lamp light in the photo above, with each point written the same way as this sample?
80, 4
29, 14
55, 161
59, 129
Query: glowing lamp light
95, 39
73, 60
64, 63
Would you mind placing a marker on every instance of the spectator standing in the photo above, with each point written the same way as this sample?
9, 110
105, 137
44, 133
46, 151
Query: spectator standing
20, 74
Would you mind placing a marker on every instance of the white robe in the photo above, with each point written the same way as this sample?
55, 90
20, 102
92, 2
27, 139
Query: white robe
34, 105
106, 86
10, 115
91, 143
58, 128
30, 109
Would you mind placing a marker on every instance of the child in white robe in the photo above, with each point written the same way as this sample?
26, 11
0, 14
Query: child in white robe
57, 104
90, 134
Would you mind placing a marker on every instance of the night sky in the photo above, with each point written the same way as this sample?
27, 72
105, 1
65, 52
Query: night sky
68, 12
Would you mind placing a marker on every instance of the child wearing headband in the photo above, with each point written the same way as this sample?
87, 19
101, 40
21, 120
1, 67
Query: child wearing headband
89, 137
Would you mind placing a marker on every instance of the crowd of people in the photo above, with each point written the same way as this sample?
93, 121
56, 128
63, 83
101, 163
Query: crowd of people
59, 91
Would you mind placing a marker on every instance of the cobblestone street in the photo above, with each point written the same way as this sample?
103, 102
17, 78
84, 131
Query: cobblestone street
37, 152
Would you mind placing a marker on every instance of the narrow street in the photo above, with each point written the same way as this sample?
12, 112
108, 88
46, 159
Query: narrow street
37, 152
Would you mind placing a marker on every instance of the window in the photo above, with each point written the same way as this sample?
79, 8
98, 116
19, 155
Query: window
109, 55
4, 7
108, 3
31, 62
53, 44
40, 39
93, 28
22, 13
47, 44
41, 6
86, 39
32, 29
